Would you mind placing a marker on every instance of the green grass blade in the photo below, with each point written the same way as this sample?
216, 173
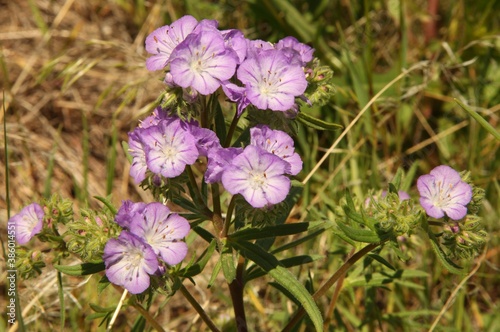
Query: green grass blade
489, 128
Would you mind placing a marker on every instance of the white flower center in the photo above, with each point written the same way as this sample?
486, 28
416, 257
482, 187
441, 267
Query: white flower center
257, 179
442, 194
135, 258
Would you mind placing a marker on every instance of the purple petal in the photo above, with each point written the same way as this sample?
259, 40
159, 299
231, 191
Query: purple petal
163, 41
129, 261
162, 229
28, 222
202, 61
258, 176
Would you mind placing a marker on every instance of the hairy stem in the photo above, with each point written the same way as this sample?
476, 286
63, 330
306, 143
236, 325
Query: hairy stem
236, 290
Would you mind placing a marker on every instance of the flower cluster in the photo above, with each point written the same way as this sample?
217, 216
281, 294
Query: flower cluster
151, 232
199, 57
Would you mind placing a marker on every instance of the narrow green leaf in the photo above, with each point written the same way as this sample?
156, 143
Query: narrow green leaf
381, 260
228, 264
285, 278
276, 230
485, 124
287, 262
125, 148
220, 123
380, 279
215, 273
306, 238
443, 258
316, 123
197, 268
103, 283
361, 235
108, 203
203, 233
81, 269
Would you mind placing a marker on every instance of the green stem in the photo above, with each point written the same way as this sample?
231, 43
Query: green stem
330, 282
232, 128
217, 215
203, 113
198, 308
229, 215
198, 198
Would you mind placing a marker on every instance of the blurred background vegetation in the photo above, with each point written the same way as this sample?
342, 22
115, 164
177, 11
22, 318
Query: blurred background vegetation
74, 83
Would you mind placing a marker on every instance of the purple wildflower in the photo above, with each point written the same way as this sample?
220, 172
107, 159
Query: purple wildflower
278, 143
128, 211
218, 160
129, 261
169, 147
206, 139
295, 51
258, 176
202, 61
271, 81
138, 168
443, 192
236, 94
162, 41
162, 230
236, 40
28, 222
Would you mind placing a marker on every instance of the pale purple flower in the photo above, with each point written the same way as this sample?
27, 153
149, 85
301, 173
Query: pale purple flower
444, 192
295, 51
28, 222
162, 41
169, 147
236, 40
206, 139
218, 160
236, 94
278, 143
138, 168
202, 61
129, 211
258, 176
129, 262
271, 81
163, 231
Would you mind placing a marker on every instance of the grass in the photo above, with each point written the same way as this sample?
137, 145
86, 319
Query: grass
74, 84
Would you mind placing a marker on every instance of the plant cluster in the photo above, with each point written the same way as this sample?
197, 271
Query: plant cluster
220, 147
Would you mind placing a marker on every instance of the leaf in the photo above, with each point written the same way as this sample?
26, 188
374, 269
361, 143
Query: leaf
274, 231
197, 268
82, 269
381, 260
317, 124
285, 278
380, 279
485, 124
228, 264
287, 262
215, 273
361, 235
108, 204
443, 258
